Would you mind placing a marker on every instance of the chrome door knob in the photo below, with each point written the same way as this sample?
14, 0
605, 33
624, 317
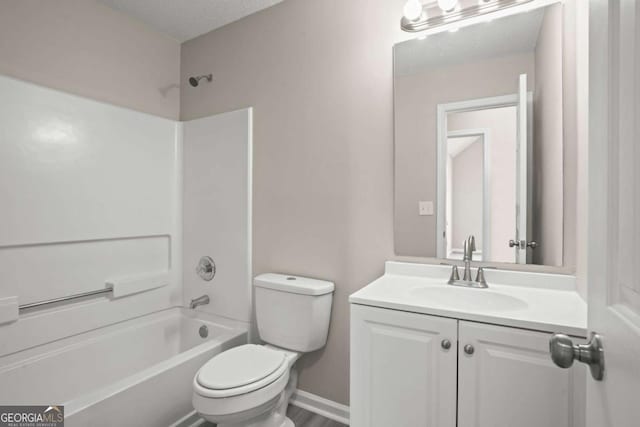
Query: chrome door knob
564, 352
532, 245
515, 244
469, 349
445, 344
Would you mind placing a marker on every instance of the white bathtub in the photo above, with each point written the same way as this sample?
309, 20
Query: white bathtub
135, 373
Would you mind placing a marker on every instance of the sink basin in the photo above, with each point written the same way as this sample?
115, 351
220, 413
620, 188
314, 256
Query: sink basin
467, 299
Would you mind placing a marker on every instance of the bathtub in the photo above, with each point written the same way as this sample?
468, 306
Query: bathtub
134, 373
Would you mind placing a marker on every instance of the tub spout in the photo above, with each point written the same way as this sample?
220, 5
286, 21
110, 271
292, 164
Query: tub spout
203, 300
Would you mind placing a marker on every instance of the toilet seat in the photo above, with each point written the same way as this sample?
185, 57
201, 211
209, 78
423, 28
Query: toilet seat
241, 370
240, 407
238, 366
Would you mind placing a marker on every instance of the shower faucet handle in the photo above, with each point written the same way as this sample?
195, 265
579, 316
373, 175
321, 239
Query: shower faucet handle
206, 268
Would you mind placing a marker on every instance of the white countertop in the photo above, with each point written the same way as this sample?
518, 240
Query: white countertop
537, 301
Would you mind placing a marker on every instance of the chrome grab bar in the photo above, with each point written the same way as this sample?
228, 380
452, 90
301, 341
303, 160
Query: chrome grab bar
62, 299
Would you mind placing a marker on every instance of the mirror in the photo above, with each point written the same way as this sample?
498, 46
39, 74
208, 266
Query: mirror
479, 142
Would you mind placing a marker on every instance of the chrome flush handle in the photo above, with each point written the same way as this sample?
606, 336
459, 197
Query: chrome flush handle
564, 352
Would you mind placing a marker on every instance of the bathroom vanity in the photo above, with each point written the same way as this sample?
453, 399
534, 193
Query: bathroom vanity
480, 129
425, 353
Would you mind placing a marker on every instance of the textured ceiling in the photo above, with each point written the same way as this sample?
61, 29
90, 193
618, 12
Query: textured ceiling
186, 19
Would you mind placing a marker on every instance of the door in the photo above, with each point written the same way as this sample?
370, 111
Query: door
522, 173
468, 186
613, 270
403, 369
506, 379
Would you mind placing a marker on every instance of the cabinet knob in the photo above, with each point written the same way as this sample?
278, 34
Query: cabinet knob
469, 349
446, 344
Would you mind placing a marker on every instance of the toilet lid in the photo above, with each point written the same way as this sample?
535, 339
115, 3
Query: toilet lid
240, 366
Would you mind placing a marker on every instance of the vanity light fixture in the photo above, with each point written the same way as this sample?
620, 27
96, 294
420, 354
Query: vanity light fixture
413, 10
447, 5
413, 22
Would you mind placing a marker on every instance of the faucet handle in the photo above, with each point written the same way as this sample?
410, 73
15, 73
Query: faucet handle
454, 274
480, 277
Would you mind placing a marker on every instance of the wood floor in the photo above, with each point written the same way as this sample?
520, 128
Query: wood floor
302, 418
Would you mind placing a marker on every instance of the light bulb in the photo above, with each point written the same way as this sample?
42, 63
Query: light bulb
412, 10
447, 5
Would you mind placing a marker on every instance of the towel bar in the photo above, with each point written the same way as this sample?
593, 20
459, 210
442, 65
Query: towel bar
61, 299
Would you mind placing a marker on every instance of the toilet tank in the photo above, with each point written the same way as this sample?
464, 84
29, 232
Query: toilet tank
293, 312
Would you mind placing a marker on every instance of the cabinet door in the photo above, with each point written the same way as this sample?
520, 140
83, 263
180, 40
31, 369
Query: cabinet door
401, 374
510, 381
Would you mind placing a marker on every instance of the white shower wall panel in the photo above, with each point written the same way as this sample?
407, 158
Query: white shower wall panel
217, 211
36, 269
88, 192
74, 169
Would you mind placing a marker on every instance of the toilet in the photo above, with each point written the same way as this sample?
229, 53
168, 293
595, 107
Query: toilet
250, 385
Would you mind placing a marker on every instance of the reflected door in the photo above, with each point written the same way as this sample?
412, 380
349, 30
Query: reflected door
523, 187
477, 177
468, 193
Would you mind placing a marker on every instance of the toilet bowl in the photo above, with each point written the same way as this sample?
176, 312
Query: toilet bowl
250, 385
246, 383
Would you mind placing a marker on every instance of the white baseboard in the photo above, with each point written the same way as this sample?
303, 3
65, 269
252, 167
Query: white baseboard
192, 419
321, 406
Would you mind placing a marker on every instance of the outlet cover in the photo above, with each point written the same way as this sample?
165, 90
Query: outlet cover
425, 207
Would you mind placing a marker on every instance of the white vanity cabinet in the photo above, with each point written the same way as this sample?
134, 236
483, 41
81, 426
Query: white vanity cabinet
403, 374
507, 379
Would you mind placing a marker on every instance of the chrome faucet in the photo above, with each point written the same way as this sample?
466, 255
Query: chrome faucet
203, 300
454, 279
469, 247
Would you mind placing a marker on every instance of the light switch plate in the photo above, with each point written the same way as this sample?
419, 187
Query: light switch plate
425, 207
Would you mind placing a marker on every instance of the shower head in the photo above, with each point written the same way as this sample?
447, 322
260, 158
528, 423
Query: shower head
194, 81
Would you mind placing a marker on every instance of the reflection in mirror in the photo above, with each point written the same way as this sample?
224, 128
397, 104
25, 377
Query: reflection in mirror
466, 185
479, 133
487, 199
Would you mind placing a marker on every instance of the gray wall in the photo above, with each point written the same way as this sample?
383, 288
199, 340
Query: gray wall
319, 76
85, 48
